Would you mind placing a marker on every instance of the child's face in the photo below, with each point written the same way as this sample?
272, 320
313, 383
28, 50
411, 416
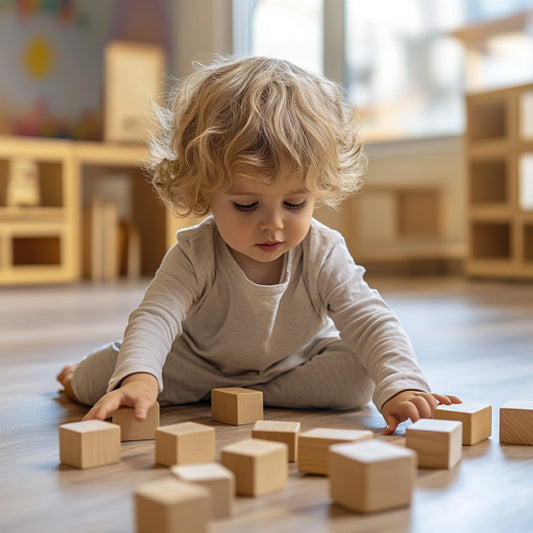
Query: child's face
259, 221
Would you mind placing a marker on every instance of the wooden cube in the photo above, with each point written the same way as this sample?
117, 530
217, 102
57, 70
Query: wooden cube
260, 466
171, 506
438, 443
236, 406
475, 417
516, 422
279, 431
371, 476
131, 429
313, 454
184, 443
89, 443
219, 480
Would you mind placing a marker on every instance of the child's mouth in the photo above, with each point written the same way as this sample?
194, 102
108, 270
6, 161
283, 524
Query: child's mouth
270, 246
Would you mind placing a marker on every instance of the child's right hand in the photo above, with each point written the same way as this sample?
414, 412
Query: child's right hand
137, 390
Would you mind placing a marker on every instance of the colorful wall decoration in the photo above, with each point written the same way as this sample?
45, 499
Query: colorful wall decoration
51, 60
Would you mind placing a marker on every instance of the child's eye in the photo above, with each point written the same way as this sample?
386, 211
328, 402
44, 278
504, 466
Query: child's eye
294, 206
245, 207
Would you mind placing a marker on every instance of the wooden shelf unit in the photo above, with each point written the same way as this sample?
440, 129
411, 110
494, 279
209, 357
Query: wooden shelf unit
39, 244
500, 221
43, 244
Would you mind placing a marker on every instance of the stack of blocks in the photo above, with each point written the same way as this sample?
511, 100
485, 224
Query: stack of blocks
236, 406
313, 447
360, 471
371, 476
438, 443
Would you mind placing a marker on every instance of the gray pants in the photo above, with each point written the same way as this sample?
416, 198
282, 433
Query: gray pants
331, 378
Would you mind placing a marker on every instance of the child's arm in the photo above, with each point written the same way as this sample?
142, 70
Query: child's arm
137, 390
414, 405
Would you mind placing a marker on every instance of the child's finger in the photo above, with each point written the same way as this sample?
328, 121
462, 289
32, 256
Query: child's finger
140, 411
392, 423
104, 408
423, 407
446, 399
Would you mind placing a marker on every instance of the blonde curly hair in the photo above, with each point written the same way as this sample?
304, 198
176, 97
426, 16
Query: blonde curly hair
265, 115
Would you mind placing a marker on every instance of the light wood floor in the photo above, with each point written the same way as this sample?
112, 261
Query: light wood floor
474, 339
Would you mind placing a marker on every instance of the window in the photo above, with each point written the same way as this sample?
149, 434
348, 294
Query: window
287, 29
403, 68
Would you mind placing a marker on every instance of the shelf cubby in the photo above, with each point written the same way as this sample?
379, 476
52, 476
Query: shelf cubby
489, 182
491, 240
487, 119
528, 242
499, 163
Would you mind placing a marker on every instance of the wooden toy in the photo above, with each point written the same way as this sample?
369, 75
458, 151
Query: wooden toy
23, 184
131, 429
171, 506
260, 466
438, 443
219, 480
371, 476
313, 447
236, 406
475, 417
516, 422
184, 443
279, 431
89, 443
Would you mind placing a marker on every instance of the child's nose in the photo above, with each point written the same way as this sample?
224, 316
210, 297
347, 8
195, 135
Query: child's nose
272, 220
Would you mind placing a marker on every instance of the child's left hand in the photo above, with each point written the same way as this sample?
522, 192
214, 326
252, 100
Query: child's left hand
414, 405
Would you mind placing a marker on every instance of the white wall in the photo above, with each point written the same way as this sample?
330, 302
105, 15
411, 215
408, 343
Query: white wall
202, 28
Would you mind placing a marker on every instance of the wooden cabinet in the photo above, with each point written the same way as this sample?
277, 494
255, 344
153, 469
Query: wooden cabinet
43, 243
39, 243
499, 159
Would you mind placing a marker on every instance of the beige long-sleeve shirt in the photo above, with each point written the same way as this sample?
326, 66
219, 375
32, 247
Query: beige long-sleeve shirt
201, 308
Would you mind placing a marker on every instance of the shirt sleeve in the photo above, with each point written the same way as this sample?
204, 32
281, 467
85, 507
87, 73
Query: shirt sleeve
367, 323
157, 321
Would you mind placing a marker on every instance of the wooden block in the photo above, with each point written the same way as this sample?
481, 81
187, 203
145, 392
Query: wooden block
89, 443
171, 506
219, 480
438, 443
475, 417
259, 466
371, 476
313, 447
184, 443
131, 429
236, 406
516, 422
279, 431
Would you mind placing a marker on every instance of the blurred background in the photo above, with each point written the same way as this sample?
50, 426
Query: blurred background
441, 87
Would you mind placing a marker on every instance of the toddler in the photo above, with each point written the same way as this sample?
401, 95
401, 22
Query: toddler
260, 294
